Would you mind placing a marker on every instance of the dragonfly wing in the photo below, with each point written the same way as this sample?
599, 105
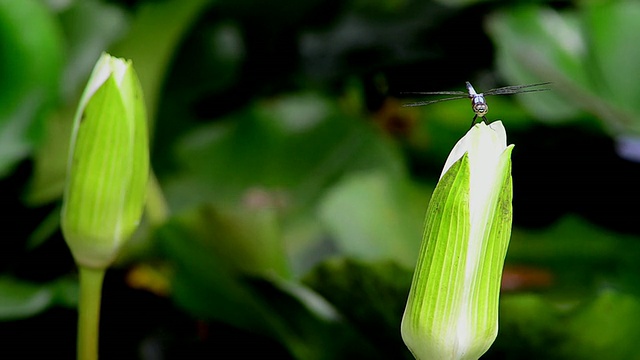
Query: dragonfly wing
427, 102
515, 89
436, 93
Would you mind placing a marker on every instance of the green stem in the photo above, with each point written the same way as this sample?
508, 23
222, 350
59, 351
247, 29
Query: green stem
89, 312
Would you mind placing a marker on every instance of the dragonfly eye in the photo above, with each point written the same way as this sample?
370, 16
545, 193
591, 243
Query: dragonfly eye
480, 109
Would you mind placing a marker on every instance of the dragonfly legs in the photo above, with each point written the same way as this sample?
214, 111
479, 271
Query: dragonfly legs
473, 122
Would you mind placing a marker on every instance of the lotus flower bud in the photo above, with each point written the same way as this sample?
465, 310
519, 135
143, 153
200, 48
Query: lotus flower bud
108, 165
452, 310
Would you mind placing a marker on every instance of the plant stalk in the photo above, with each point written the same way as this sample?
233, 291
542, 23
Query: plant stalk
89, 312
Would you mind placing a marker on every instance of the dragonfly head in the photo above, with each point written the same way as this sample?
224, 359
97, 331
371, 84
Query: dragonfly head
481, 109
479, 105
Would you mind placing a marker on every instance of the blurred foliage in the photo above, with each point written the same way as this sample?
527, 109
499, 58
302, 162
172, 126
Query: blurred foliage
21, 298
30, 68
291, 184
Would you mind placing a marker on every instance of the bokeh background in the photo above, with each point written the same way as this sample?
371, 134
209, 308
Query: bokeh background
290, 184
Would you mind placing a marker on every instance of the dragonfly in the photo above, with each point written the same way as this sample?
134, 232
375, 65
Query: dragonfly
478, 102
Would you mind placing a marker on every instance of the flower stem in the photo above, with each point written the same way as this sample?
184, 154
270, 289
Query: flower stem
89, 312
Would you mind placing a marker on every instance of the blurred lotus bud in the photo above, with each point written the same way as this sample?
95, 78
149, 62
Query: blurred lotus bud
108, 165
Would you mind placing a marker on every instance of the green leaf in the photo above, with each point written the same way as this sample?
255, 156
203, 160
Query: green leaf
207, 285
531, 327
376, 216
535, 44
246, 240
584, 54
30, 70
297, 144
611, 28
370, 295
203, 284
20, 299
605, 328
578, 254
155, 33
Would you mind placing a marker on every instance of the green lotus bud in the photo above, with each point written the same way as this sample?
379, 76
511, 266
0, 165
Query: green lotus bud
452, 310
108, 165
